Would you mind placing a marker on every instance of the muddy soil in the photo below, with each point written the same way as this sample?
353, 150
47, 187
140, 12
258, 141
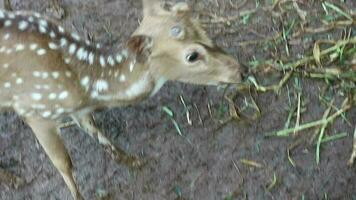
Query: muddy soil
207, 162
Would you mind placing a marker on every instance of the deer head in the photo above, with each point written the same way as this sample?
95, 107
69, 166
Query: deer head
181, 49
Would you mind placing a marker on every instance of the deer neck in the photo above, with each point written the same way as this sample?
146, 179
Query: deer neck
111, 77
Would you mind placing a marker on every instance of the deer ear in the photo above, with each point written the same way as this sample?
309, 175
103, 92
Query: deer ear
181, 9
140, 46
151, 7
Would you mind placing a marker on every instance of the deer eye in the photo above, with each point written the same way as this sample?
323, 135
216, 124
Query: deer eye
193, 57
177, 32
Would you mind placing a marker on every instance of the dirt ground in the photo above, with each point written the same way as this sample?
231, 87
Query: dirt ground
213, 160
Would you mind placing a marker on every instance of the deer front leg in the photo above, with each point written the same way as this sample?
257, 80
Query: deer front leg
86, 122
47, 134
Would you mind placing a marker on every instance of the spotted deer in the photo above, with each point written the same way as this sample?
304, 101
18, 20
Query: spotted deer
47, 72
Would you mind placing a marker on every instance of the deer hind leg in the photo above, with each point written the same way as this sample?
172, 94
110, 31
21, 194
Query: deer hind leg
87, 123
47, 134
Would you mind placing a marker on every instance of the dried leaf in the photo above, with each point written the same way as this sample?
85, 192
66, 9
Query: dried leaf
316, 53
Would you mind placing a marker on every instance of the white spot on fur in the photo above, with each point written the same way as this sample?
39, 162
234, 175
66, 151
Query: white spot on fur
43, 22
36, 73
85, 82
30, 19
42, 29
8, 23
131, 66
102, 61
7, 85
72, 48
55, 75
19, 81
85, 55
125, 53
111, 61
33, 46
75, 36
119, 58
60, 29
46, 114
67, 60
68, 74
52, 96
91, 58
7, 36
41, 52
101, 85
82, 54
63, 95
116, 74
122, 78
44, 75
94, 94
19, 47
6, 65
23, 25
52, 34
2, 14
63, 42
52, 45
36, 96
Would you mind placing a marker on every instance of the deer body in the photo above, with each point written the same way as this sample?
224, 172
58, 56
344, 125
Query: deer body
47, 72
82, 76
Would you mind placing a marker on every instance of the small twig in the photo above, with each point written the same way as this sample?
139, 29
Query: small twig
210, 111
199, 115
297, 121
353, 155
273, 183
321, 134
187, 112
275, 88
251, 163
291, 161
